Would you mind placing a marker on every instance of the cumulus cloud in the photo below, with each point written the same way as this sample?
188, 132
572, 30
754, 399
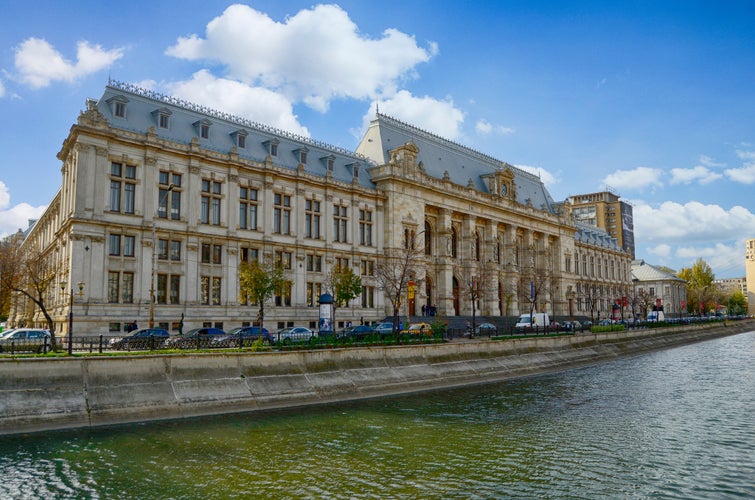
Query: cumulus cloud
662, 250
671, 222
254, 103
441, 117
13, 218
39, 64
725, 258
746, 173
699, 174
2, 89
313, 57
638, 178
485, 127
548, 178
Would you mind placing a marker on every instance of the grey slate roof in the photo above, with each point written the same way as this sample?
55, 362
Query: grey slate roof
646, 272
593, 235
439, 155
143, 107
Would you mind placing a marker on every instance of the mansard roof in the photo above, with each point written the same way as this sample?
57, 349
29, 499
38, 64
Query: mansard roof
593, 235
144, 107
439, 156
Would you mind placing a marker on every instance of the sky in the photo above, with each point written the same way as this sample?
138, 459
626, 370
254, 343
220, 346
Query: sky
654, 101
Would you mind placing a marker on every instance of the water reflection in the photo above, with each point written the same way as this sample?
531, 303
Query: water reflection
671, 424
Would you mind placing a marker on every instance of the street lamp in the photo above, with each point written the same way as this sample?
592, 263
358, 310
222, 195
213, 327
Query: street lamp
154, 256
63, 284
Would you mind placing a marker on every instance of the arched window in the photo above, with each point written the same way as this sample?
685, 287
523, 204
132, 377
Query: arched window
477, 246
454, 242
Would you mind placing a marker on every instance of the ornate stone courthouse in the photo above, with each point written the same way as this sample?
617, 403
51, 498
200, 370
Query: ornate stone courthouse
161, 200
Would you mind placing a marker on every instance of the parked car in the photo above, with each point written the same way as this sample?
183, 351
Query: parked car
572, 326
605, 322
358, 332
196, 338
418, 329
26, 339
295, 334
384, 328
486, 329
146, 338
248, 334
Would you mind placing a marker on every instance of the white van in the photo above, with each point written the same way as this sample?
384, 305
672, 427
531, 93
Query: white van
656, 316
538, 320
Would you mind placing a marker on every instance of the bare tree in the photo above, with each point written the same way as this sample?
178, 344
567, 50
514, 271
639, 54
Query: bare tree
645, 301
393, 272
30, 274
478, 282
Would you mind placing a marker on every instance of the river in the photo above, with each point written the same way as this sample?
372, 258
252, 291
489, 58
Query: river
672, 424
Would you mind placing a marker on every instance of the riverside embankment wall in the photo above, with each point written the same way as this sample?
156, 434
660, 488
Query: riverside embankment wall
53, 393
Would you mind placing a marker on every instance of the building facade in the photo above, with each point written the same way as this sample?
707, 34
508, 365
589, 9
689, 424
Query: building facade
653, 287
750, 275
606, 211
161, 200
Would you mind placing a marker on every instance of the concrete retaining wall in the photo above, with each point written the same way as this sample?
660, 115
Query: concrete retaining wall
39, 393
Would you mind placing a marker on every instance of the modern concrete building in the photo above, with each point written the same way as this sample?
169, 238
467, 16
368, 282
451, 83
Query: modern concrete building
750, 275
161, 200
606, 210
729, 285
652, 286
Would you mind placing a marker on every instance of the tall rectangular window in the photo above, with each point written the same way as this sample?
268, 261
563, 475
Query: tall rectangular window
284, 297
368, 267
113, 286
314, 290
248, 208
368, 296
211, 254
281, 214
210, 289
365, 227
168, 287
122, 188
249, 254
312, 219
210, 202
115, 244
314, 263
340, 223
283, 259
120, 287
127, 288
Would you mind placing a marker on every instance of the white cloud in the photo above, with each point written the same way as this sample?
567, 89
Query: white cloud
39, 64
313, 57
662, 250
548, 178
485, 127
2, 89
439, 117
725, 258
16, 217
674, 223
746, 173
697, 174
638, 178
707, 161
253, 103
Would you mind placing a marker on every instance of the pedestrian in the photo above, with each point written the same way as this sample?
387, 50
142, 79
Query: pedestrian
181, 325
423, 309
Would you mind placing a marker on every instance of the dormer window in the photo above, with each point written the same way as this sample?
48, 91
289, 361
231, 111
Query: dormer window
272, 147
329, 162
162, 116
301, 155
118, 106
354, 169
239, 138
203, 128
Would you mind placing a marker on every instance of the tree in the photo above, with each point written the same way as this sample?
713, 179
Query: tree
736, 303
345, 286
394, 269
477, 283
29, 273
258, 284
700, 286
645, 301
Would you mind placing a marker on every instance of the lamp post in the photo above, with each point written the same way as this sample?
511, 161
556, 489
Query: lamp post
153, 282
70, 311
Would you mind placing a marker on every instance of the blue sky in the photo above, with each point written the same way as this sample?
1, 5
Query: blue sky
655, 100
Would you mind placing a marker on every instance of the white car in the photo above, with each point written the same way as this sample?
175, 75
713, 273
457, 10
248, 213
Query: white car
295, 334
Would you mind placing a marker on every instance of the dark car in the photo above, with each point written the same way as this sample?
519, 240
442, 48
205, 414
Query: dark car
146, 338
196, 338
358, 332
26, 339
246, 334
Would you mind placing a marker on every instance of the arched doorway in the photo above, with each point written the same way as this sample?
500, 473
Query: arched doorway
456, 296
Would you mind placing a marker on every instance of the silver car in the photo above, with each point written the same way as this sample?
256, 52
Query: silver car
295, 334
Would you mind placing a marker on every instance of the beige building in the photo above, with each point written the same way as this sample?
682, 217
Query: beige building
750, 275
162, 199
652, 287
606, 211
